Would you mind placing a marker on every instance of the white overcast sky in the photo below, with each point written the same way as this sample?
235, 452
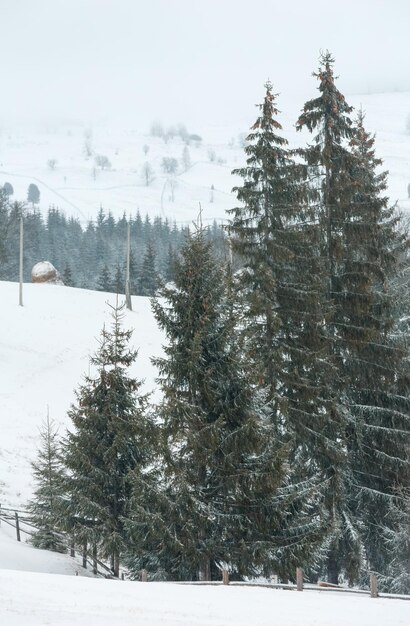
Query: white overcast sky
136, 60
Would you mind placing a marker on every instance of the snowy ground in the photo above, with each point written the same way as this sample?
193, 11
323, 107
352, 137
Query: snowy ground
39, 599
79, 190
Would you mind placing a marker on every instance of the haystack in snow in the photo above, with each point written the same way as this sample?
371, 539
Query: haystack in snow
45, 272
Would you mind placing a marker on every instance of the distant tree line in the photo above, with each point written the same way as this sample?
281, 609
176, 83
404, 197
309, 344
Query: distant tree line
93, 256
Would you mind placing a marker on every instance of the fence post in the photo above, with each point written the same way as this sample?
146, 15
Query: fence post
85, 555
225, 577
373, 586
299, 579
144, 576
95, 568
17, 526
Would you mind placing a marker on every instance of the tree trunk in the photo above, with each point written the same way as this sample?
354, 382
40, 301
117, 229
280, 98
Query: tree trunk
333, 568
116, 568
204, 570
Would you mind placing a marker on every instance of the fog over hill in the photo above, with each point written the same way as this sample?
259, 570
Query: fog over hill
53, 157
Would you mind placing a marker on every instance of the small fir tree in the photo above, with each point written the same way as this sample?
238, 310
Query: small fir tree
119, 280
45, 506
148, 282
110, 439
104, 280
33, 194
68, 276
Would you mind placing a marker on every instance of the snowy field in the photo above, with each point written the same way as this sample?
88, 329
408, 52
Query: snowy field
79, 189
39, 599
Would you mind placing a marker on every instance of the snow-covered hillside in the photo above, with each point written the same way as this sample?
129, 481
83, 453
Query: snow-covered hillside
79, 188
44, 353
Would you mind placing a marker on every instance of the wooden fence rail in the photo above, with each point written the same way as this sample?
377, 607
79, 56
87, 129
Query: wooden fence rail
18, 518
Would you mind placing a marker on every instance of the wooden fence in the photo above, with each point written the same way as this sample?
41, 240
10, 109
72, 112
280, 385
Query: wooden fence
21, 521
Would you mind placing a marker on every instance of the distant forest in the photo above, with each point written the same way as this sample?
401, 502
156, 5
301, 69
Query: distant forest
93, 256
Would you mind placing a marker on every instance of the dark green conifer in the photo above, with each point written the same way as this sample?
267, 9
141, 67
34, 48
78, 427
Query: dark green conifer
228, 497
105, 280
148, 282
68, 276
330, 161
373, 360
107, 447
276, 235
357, 242
119, 280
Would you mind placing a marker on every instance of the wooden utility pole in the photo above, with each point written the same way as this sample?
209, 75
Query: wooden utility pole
21, 264
17, 526
128, 302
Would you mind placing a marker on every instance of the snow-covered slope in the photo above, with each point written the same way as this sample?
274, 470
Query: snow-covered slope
78, 188
23, 557
44, 353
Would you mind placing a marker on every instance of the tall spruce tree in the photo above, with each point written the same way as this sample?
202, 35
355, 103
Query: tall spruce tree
228, 497
374, 362
45, 506
257, 234
277, 235
110, 439
358, 238
330, 162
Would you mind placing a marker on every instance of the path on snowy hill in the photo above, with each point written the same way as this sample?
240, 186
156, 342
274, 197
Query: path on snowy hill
41, 182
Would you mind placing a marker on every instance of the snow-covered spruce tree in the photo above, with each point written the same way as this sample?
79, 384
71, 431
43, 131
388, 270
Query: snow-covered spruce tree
373, 358
358, 239
277, 235
269, 200
148, 280
111, 437
44, 508
330, 161
227, 494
